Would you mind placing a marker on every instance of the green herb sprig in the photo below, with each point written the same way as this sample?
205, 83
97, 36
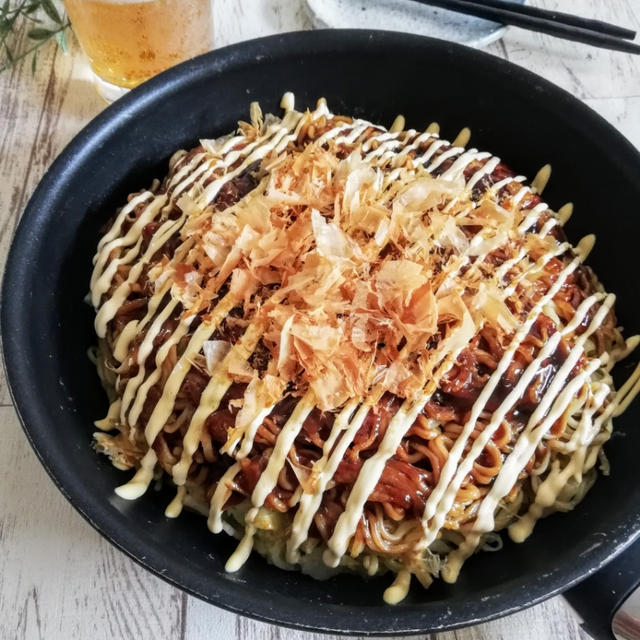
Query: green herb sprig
38, 13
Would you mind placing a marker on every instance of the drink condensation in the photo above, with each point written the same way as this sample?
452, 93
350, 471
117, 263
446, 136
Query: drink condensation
128, 41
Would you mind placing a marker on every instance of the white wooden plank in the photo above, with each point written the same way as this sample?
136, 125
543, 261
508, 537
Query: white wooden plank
58, 577
585, 71
237, 20
39, 114
551, 619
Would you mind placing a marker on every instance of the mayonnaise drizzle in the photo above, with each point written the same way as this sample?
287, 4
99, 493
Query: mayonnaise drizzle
174, 508
142, 391
560, 393
399, 589
201, 177
269, 477
322, 472
373, 467
557, 479
220, 497
110, 307
164, 406
143, 352
443, 494
142, 478
217, 386
115, 230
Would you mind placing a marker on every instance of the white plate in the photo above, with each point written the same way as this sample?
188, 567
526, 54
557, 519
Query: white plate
406, 16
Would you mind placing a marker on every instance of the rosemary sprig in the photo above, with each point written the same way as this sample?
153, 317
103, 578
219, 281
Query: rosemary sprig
46, 24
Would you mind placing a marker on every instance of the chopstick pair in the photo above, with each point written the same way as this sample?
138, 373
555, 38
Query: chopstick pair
554, 23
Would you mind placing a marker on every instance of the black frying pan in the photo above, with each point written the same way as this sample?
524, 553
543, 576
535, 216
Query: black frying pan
46, 327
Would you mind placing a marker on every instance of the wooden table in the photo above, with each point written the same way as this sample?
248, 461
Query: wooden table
58, 577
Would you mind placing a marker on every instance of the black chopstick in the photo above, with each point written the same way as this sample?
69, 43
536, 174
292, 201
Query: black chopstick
543, 25
566, 18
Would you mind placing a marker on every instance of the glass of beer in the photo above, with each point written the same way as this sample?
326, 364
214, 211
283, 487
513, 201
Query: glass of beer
128, 41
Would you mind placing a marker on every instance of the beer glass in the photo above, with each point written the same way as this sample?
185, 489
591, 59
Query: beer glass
128, 41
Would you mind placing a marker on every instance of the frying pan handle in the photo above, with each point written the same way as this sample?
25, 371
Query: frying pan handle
597, 598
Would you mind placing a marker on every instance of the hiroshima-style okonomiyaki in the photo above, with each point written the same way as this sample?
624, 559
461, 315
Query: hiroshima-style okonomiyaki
354, 348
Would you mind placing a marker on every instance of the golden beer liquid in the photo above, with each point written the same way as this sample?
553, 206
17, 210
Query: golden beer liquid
127, 41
